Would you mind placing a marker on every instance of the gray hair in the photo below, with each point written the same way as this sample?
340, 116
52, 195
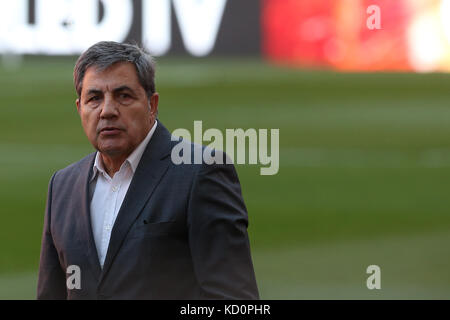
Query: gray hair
106, 53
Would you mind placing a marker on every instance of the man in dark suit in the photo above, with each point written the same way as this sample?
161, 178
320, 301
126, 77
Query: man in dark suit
129, 221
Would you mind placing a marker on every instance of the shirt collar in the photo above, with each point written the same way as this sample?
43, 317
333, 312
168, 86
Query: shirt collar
133, 159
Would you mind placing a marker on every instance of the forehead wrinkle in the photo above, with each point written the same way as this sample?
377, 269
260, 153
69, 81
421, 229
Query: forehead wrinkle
103, 79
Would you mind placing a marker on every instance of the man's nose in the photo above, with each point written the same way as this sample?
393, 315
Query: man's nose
109, 108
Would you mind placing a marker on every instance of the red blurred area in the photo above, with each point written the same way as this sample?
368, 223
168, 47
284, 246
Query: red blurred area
335, 33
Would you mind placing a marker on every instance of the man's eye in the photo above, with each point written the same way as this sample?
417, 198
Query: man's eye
125, 96
94, 98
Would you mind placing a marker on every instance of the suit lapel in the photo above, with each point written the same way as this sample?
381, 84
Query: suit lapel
152, 167
87, 235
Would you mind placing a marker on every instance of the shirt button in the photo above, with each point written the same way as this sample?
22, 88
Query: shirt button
114, 188
108, 227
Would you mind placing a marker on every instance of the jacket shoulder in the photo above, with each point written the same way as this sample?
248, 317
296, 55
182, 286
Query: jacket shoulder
74, 169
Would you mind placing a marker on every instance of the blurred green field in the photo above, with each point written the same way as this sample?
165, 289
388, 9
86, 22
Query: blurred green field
364, 170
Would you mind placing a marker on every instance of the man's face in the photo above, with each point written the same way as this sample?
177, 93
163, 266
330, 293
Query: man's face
115, 112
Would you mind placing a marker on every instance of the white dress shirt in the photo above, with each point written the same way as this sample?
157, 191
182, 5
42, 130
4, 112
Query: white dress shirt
109, 194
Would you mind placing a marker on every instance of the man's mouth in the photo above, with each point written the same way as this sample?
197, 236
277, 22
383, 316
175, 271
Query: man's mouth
110, 131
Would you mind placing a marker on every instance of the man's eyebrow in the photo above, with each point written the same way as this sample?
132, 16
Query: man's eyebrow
93, 91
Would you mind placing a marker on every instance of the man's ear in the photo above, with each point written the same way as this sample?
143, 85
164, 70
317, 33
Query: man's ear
77, 102
154, 99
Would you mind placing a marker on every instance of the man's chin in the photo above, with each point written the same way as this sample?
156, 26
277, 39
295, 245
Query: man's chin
111, 151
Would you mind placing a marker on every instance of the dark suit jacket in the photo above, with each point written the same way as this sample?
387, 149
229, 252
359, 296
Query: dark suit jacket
181, 233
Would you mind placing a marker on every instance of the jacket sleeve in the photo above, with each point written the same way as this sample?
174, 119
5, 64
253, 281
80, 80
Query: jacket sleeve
51, 279
217, 223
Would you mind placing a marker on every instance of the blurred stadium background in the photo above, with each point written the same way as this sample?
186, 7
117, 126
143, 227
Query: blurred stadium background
364, 119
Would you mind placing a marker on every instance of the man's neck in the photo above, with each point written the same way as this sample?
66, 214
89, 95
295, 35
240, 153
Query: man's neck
112, 164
